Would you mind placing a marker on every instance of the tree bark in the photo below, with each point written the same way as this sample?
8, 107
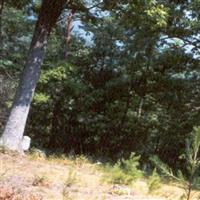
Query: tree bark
53, 141
14, 129
68, 32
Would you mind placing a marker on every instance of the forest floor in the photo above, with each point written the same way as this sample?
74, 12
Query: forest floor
38, 178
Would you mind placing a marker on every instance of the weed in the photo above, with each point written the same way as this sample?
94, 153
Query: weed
66, 195
81, 160
119, 190
37, 154
71, 178
40, 181
154, 181
125, 171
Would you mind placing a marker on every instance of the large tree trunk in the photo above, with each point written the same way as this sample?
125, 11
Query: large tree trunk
14, 129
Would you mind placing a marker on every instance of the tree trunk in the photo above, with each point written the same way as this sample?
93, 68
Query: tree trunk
53, 139
14, 129
68, 32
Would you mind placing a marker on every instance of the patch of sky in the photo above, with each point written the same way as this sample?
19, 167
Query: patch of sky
78, 30
166, 42
78, 26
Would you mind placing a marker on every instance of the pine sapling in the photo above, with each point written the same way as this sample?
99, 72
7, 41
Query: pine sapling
190, 179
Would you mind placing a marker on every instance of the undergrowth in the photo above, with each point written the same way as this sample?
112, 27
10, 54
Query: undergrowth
124, 172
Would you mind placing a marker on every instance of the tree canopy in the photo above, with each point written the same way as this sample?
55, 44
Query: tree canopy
130, 82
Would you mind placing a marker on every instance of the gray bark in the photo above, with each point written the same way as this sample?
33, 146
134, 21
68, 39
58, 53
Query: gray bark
12, 137
13, 133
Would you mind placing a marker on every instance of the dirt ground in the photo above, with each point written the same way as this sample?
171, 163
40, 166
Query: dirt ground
30, 178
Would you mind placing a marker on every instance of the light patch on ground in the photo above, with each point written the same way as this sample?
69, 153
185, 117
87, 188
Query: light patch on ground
65, 179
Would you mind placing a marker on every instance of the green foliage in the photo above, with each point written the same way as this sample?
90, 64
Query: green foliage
95, 96
125, 171
15, 38
130, 85
40, 98
130, 166
190, 180
154, 181
158, 14
163, 167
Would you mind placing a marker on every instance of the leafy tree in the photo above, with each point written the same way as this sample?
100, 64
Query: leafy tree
130, 85
138, 87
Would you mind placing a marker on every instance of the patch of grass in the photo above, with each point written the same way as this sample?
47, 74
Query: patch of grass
60, 159
154, 182
3, 170
81, 160
37, 154
119, 190
66, 195
71, 178
78, 161
124, 172
10, 193
41, 180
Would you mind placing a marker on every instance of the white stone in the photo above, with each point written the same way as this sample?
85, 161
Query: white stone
26, 142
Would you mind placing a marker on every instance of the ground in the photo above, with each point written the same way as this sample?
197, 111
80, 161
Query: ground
31, 177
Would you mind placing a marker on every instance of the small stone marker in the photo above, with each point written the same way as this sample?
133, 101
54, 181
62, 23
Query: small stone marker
26, 142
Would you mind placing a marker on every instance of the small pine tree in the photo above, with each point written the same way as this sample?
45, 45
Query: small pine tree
190, 180
125, 171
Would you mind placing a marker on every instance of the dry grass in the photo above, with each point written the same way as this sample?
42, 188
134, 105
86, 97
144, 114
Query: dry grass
61, 178
8, 192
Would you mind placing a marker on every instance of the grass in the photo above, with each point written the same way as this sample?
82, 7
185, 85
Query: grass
62, 178
41, 180
71, 178
124, 172
154, 182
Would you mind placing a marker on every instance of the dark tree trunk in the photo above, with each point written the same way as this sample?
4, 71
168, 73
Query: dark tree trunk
68, 32
14, 129
53, 141
54, 137
123, 119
